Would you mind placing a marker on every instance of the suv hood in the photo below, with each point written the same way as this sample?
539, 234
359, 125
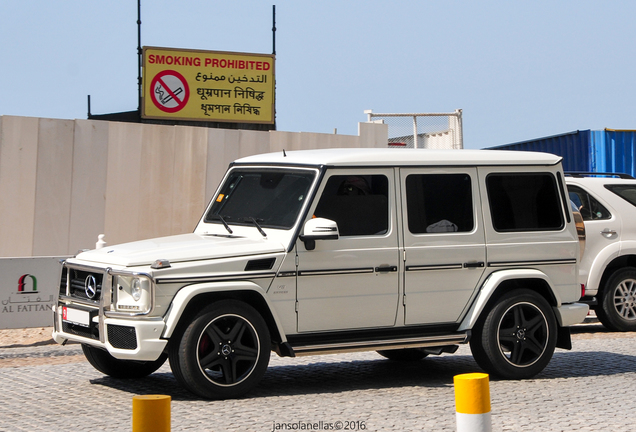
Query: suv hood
184, 247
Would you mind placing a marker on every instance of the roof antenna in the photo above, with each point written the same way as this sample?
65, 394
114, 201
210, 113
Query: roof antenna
284, 154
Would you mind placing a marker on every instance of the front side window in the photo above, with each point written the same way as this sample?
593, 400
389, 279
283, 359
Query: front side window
359, 204
524, 202
439, 203
271, 198
587, 205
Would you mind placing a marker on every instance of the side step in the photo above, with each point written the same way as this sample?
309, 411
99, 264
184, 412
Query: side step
375, 345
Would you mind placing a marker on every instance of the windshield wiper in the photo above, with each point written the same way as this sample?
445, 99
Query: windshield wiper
258, 227
219, 217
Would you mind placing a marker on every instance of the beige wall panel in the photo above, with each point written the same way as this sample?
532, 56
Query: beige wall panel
53, 187
123, 180
18, 167
88, 195
127, 181
223, 148
157, 181
288, 141
190, 162
374, 135
253, 143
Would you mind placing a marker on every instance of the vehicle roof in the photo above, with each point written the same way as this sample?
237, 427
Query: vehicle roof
401, 157
599, 180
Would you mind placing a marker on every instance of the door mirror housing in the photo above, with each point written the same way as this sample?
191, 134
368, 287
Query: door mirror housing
318, 229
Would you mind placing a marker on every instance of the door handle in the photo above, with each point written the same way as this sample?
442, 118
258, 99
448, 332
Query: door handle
385, 269
608, 232
474, 264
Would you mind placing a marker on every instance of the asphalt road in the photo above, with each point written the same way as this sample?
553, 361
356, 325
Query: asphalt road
46, 388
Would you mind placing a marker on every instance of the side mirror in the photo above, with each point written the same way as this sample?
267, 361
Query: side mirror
318, 229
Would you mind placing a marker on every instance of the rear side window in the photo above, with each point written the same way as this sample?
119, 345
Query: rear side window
439, 203
524, 202
627, 192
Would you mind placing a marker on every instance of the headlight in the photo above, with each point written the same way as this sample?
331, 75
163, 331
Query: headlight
135, 289
132, 293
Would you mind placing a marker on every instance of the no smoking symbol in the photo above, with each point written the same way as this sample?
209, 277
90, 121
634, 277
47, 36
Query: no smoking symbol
169, 91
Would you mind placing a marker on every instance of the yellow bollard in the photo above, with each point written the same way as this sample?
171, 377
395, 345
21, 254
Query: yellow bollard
151, 413
472, 402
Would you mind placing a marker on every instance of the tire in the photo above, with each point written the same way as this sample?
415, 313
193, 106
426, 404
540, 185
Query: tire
124, 369
406, 354
223, 352
617, 308
517, 337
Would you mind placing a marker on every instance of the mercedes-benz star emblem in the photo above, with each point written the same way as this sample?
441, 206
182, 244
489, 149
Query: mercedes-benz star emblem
90, 286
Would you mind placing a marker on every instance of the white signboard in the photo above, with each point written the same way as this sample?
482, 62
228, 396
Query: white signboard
28, 291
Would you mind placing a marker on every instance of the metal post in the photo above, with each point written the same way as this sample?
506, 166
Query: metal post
460, 128
414, 131
139, 55
274, 29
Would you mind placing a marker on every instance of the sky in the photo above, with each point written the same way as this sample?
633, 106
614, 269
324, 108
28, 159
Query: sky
517, 69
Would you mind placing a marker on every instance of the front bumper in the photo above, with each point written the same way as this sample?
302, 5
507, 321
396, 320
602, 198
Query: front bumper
125, 339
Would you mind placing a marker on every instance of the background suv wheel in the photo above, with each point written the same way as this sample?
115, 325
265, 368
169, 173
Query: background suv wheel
617, 306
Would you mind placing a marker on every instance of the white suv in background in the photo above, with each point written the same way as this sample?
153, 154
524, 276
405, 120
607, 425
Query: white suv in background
607, 203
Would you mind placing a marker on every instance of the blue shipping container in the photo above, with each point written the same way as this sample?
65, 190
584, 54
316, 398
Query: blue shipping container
607, 150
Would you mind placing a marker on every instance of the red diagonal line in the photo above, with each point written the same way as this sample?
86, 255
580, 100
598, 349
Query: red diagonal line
174, 96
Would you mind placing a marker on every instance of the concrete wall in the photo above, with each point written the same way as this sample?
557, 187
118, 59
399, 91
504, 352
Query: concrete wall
63, 182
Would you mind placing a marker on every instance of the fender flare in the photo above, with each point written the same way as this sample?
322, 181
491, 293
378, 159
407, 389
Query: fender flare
597, 269
491, 284
183, 297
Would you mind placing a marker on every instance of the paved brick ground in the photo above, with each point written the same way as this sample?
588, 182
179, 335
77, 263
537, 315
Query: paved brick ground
589, 388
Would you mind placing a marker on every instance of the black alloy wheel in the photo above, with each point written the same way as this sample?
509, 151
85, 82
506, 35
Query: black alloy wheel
517, 337
224, 351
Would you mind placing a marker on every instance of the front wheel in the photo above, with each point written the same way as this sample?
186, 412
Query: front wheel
617, 309
223, 353
517, 337
125, 369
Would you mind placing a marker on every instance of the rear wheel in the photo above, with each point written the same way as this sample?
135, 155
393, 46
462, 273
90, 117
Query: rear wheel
617, 309
517, 337
127, 369
223, 353
407, 354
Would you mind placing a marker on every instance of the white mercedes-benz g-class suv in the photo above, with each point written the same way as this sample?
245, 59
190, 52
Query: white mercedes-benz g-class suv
607, 203
404, 252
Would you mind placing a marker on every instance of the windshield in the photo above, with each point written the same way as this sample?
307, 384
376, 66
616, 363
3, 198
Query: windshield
270, 197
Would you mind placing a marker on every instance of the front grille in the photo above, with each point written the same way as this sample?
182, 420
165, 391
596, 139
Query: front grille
80, 279
122, 337
63, 281
91, 332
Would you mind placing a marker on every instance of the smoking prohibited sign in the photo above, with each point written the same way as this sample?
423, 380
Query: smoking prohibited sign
210, 86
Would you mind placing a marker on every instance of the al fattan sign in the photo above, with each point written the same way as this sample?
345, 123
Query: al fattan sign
28, 290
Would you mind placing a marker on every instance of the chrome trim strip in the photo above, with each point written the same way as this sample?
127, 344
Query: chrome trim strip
195, 279
286, 274
416, 342
530, 263
435, 267
335, 272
